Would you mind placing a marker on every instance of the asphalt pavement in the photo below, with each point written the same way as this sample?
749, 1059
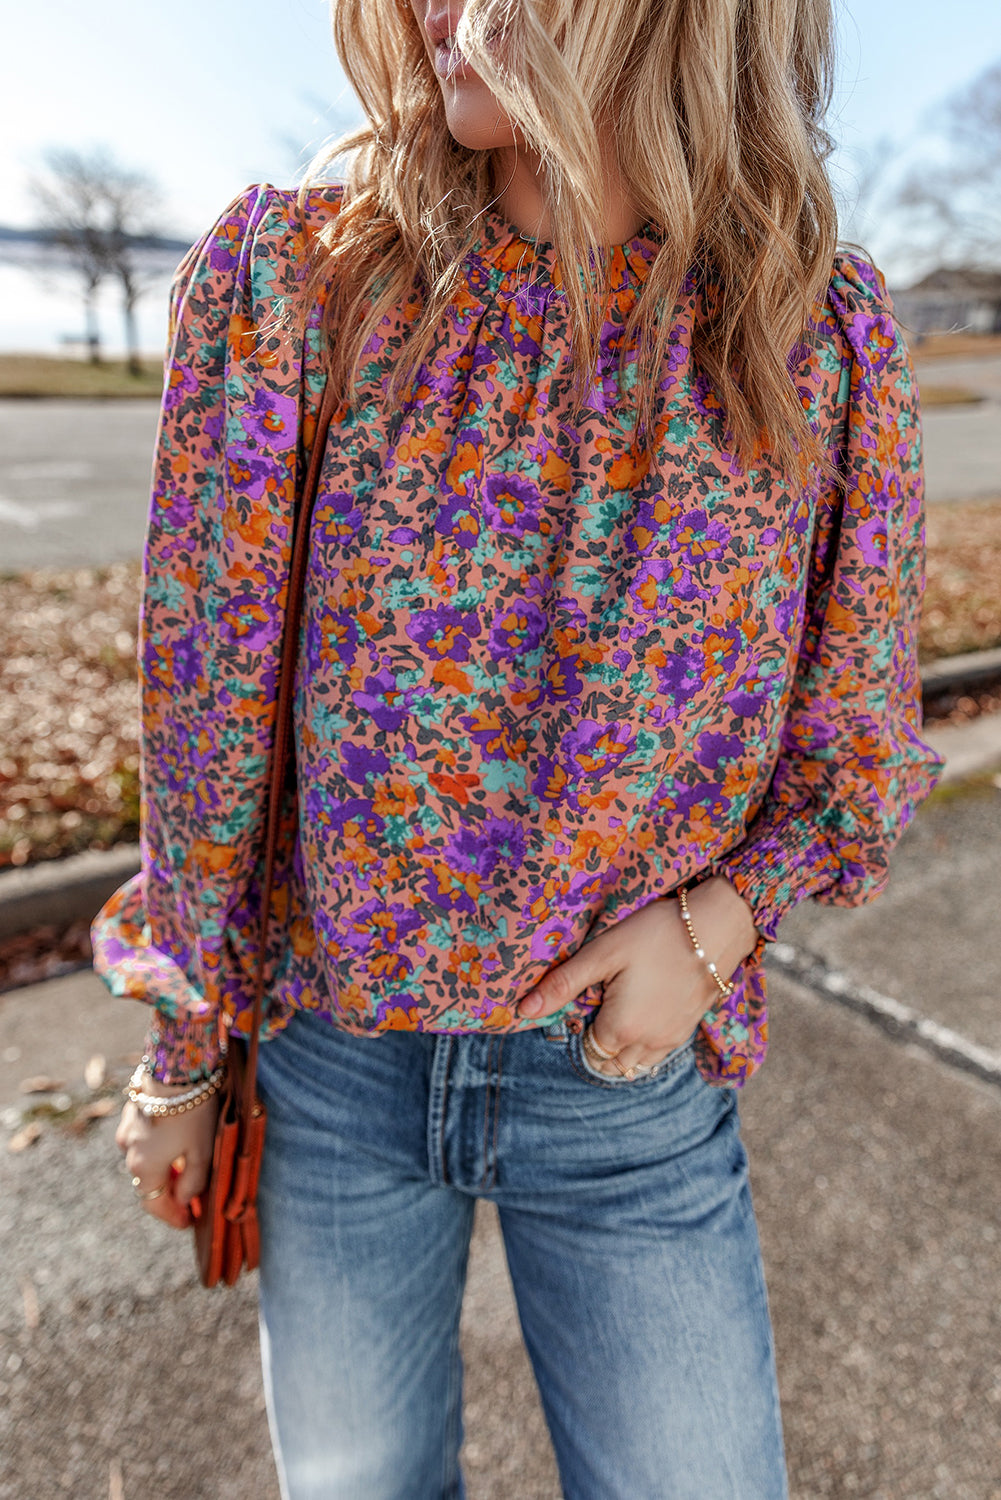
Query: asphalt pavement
74, 475
875, 1165
963, 443
74, 481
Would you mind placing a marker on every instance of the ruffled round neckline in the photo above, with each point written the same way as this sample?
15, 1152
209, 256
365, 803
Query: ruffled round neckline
495, 234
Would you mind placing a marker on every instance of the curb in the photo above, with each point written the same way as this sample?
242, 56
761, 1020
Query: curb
59, 892
951, 674
968, 749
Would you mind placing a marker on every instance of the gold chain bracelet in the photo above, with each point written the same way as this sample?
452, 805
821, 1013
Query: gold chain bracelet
725, 987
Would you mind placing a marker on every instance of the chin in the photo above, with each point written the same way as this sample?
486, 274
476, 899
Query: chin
475, 119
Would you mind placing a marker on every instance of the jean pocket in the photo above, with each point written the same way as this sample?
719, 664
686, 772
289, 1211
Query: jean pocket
582, 1065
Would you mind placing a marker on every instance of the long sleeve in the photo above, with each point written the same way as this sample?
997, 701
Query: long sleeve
541, 682
851, 766
181, 934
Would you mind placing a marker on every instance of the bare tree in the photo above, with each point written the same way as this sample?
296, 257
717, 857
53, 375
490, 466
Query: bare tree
69, 210
861, 191
100, 212
954, 206
131, 200
975, 129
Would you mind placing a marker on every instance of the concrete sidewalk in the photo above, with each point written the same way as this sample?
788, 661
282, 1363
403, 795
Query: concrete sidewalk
875, 1165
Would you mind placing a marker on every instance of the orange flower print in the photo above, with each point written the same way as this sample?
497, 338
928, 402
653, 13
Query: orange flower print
547, 666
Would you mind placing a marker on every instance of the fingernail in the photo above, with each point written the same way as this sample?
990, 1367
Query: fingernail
530, 1006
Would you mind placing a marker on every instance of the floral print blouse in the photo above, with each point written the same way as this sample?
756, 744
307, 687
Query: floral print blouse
542, 679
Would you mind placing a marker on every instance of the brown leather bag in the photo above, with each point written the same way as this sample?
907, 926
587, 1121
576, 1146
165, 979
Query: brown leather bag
225, 1215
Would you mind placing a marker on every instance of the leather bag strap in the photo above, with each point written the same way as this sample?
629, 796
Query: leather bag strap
283, 735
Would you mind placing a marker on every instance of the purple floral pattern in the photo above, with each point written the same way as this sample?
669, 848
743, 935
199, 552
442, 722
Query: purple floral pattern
542, 678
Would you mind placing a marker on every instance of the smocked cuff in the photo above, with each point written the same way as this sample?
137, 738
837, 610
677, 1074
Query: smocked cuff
784, 859
182, 1051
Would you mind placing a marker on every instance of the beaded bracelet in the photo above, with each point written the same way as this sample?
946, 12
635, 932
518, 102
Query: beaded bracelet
156, 1106
725, 987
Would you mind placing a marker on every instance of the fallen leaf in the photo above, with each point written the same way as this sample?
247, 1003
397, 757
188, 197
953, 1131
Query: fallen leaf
68, 711
96, 1071
25, 1137
41, 954
98, 1109
30, 1298
40, 1084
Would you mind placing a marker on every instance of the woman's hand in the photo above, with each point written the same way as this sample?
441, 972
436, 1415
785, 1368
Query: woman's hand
173, 1152
655, 987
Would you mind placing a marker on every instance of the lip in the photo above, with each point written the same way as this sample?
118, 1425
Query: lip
440, 28
449, 61
441, 25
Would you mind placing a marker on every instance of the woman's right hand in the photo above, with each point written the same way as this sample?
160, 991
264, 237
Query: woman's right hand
173, 1152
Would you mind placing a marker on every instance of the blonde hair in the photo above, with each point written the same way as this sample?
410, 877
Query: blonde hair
717, 108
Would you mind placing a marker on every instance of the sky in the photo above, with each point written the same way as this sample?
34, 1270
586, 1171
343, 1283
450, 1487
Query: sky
211, 95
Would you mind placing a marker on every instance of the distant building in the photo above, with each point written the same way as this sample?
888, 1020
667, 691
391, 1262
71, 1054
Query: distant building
951, 299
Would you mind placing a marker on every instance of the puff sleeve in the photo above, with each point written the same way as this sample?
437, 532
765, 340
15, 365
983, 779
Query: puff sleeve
852, 766
180, 935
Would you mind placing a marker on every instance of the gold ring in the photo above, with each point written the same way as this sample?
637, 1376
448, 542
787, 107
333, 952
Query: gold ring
592, 1040
595, 1058
596, 1053
595, 1047
145, 1197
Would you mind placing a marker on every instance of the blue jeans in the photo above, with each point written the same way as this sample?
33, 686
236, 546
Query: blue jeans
629, 1234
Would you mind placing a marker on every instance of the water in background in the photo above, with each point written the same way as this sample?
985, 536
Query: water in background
41, 305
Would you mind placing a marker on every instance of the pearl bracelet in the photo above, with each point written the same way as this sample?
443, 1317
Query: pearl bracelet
156, 1106
725, 987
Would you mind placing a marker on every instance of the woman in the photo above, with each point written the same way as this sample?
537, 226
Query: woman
608, 658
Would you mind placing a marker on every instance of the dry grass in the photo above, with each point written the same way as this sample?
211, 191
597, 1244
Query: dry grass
40, 375
955, 345
948, 395
68, 727
962, 608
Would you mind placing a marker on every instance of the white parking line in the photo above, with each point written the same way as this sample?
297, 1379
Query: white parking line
891, 1015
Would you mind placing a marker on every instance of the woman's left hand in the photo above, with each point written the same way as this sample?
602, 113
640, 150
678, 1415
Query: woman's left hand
656, 989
